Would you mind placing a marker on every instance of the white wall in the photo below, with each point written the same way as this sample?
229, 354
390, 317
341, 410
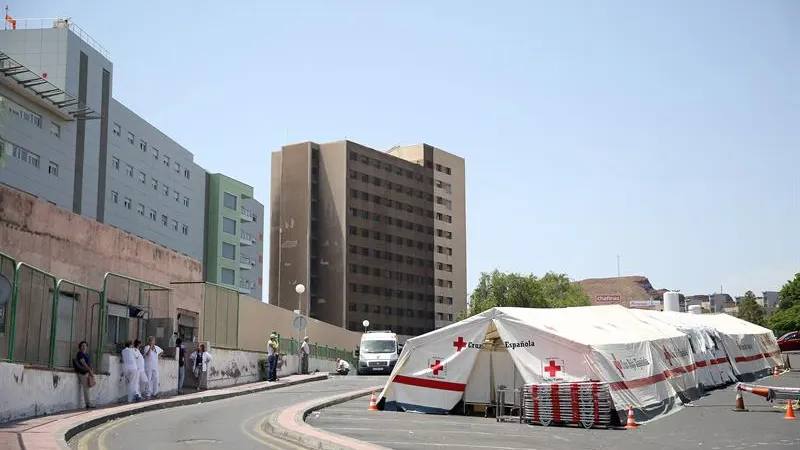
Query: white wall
231, 367
28, 391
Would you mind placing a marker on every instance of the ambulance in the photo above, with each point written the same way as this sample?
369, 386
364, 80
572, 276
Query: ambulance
377, 353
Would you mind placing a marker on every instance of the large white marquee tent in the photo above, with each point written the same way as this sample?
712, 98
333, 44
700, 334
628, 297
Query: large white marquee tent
649, 359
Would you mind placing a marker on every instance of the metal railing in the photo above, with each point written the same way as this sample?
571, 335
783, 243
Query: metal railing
57, 22
290, 346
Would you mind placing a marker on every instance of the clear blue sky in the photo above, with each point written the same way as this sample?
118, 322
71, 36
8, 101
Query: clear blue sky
665, 132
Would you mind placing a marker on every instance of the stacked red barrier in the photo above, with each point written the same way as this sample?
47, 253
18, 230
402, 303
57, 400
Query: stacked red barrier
587, 404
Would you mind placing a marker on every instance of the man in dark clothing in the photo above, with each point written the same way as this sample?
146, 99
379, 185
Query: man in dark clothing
85, 371
181, 361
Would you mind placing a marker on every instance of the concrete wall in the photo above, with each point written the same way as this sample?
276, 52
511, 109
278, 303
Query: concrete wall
29, 392
232, 367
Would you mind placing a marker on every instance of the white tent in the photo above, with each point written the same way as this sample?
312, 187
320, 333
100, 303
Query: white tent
647, 365
713, 369
751, 350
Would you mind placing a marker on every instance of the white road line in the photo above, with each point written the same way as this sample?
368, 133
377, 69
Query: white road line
486, 433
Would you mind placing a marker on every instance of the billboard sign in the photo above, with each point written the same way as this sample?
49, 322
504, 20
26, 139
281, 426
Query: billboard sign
607, 299
645, 303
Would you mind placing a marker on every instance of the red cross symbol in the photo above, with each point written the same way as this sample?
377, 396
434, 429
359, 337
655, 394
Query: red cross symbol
552, 368
437, 366
668, 355
459, 344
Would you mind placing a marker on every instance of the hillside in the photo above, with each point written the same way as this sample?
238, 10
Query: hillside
619, 290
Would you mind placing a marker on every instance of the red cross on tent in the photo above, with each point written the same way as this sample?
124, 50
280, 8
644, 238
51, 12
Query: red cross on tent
552, 369
459, 344
437, 366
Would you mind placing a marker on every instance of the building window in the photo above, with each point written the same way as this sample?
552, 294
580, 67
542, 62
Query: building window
175, 225
131, 138
152, 214
26, 156
229, 201
165, 160
185, 229
186, 201
140, 209
229, 226
229, 251
52, 169
177, 196
155, 153
164, 220
114, 197
55, 129
115, 163
187, 174
177, 167
143, 145
127, 203
129, 170
142, 177
166, 190
117, 129
227, 276
155, 183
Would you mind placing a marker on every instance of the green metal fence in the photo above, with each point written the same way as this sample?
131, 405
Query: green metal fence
220, 316
78, 319
8, 268
290, 346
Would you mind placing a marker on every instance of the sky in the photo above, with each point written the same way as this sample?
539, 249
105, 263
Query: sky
667, 133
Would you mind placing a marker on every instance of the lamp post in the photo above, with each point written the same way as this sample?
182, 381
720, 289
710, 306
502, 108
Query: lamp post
300, 289
299, 322
366, 325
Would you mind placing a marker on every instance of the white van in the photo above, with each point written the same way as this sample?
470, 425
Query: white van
378, 352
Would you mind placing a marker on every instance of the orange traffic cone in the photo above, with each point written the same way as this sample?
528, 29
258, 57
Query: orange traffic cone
373, 402
631, 423
790, 412
739, 407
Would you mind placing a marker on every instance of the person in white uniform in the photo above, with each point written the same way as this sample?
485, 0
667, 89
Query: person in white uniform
151, 353
130, 370
200, 362
142, 380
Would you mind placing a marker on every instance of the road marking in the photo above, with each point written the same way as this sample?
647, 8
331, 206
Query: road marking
429, 444
262, 437
260, 430
101, 438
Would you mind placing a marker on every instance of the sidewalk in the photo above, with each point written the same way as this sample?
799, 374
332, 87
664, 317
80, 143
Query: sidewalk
52, 432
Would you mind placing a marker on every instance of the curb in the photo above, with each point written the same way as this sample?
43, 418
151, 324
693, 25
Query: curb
299, 432
63, 437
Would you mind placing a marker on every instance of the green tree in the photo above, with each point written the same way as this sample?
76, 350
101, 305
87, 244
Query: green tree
785, 320
750, 310
790, 293
528, 291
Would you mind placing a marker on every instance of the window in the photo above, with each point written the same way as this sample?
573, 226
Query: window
229, 251
142, 177
52, 169
165, 160
177, 167
166, 190
164, 220
229, 226
175, 225
140, 209
227, 276
187, 174
115, 163
143, 145
114, 196
127, 202
116, 129
155, 183
229, 201
129, 170
155, 153
186, 201
131, 138
177, 196
185, 229
26, 156
152, 214
55, 129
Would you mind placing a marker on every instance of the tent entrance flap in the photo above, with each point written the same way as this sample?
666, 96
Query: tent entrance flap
494, 369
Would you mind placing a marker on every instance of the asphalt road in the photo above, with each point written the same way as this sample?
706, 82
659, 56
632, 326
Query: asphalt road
710, 425
232, 424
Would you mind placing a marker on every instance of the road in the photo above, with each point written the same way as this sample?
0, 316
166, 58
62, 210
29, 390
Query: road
710, 425
234, 423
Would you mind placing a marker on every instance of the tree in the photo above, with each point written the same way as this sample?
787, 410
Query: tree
528, 291
789, 294
750, 310
785, 320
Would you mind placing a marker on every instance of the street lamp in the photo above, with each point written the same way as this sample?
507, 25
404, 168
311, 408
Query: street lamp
366, 325
300, 289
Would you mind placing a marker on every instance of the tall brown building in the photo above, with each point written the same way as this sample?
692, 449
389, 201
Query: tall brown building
372, 235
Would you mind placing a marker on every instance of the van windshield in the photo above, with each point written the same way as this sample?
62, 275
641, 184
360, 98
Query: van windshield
378, 347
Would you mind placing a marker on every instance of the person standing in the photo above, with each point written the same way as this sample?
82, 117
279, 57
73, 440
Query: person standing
151, 353
141, 379
181, 350
130, 370
304, 355
200, 361
272, 357
83, 366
